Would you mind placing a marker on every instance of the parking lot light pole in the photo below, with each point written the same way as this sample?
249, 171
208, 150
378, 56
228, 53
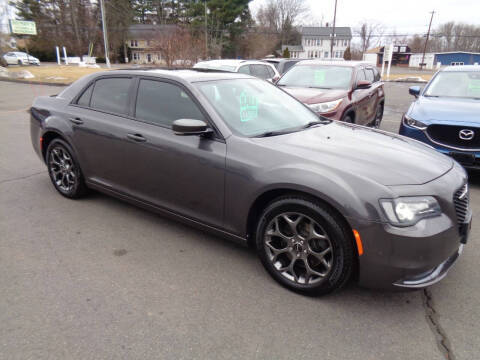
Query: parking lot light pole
105, 37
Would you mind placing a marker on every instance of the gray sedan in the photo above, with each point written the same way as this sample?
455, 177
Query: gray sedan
321, 201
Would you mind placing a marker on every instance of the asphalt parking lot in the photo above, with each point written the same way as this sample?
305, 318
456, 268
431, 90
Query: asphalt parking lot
99, 279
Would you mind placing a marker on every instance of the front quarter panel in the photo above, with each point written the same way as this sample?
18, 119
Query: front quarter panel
253, 170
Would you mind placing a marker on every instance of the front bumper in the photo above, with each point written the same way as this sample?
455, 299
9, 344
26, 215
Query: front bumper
432, 276
419, 255
468, 159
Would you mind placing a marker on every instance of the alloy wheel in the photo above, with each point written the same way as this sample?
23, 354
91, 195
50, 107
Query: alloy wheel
62, 169
298, 248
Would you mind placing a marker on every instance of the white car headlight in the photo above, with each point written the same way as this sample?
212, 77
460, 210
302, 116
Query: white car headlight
326, 106
413, 123
407, 211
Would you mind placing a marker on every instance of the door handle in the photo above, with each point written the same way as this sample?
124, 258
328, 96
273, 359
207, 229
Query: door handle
76, 120
136, 137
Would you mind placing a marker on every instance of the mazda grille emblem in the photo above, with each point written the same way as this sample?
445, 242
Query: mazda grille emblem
466, 134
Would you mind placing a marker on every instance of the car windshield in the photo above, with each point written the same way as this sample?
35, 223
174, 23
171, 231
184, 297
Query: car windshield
252, 107
464, 84
318, 76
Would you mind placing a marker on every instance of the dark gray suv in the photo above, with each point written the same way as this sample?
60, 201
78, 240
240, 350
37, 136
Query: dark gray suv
321, 201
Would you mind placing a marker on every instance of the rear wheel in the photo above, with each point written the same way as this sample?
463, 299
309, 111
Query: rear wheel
304, 246
64, 170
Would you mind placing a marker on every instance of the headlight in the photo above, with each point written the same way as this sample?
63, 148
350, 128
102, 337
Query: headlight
407, 211
326, 106
413, 123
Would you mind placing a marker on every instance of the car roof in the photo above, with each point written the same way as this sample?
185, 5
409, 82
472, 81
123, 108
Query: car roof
230, 62
462, 68
333, 63
189, 75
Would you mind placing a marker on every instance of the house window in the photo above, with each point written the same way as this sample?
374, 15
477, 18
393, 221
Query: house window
395, 49
325, 54
149, 57
133, 43
319, 42
403, 48
136, 56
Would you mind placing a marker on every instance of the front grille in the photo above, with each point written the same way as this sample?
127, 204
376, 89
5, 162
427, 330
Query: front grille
449, 135
460, 199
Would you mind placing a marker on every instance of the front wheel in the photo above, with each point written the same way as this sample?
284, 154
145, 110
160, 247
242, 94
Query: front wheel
304, 246
64, 170
378, 116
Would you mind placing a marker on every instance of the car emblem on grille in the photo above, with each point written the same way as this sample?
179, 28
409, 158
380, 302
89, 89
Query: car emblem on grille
466, 134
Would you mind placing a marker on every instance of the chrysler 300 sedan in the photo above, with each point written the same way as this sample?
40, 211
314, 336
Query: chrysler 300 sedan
321, 201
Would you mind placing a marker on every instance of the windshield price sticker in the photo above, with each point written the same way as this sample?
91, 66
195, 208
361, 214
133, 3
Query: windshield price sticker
319, 77
248, 107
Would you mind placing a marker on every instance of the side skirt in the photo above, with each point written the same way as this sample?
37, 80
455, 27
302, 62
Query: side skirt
167, 213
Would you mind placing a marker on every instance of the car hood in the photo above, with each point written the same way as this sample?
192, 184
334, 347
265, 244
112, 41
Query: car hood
385, 158
314, 96
433, 110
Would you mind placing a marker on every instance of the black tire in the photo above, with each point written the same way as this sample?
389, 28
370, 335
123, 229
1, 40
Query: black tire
340, 238
348, 119
66, 177
378, 116
20, 63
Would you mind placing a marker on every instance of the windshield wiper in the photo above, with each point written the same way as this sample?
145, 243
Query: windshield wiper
319, 87
274, 133
317, 122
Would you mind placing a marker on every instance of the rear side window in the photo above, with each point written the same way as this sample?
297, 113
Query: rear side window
111, 95
245, 69
84, 100
360, 75
162, 103
260, 71
270, 71
370, 75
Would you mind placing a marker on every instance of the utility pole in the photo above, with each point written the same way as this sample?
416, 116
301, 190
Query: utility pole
105, 37
206, 32
426, 41
333, 30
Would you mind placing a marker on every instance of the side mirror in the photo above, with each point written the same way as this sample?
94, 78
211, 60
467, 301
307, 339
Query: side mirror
363, 84
275, 79
190, 127
414, 90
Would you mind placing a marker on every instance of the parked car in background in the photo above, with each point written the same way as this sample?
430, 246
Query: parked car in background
20, 58
282, 65
446, 114
321, 201
345, 90
255, 68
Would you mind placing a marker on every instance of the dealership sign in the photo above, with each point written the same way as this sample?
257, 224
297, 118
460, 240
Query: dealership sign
23, 27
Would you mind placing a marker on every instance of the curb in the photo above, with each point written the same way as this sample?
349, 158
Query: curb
34, 82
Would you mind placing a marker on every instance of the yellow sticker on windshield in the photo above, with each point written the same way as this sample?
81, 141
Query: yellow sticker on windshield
319, 77
248, 107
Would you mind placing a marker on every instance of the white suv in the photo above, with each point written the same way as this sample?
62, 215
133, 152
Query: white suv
20, 58
259, 69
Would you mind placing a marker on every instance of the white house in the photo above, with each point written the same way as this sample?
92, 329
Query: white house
316, 42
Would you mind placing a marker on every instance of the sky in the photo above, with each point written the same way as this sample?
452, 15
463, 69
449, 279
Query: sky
401, 16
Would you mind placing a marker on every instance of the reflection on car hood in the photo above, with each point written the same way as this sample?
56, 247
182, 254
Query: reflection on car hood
314, 96
431, 110
385, 158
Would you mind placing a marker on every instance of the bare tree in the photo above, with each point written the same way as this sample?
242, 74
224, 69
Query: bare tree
370, 34
281, 16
